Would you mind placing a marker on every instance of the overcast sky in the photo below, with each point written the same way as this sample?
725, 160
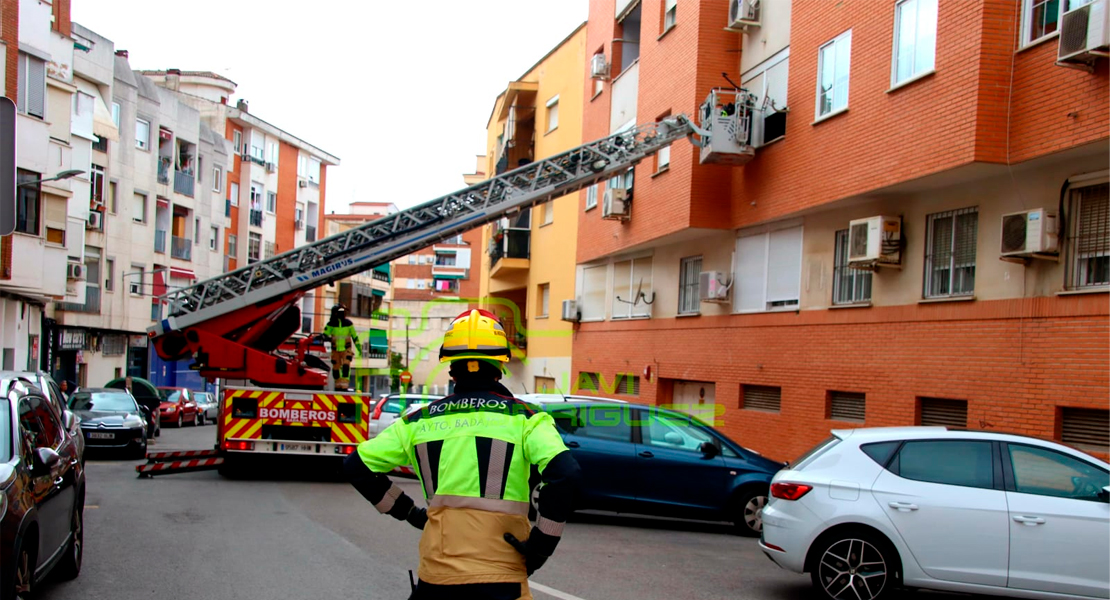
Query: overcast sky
399, 91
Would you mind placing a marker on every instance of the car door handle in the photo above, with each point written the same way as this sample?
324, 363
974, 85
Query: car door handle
903, 506
572, 444
1029, 521
647, 454
58, 481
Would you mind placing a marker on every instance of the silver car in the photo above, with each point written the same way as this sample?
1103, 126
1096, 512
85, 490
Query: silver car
208, 406
390, 407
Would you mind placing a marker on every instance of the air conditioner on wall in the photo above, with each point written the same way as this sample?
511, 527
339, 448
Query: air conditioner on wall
75, 271
1084, 32
615, 205
1029, 232
570, 310
743, 14
599, 69
713, 286
96, 220
302, 183
875, 242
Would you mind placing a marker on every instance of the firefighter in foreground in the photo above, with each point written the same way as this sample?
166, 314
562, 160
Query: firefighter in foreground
344, 342
473, 452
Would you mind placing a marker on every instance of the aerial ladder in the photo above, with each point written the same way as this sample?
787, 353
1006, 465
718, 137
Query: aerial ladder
233, 325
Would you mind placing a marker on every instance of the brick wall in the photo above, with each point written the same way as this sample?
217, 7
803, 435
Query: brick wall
9, 33
1014, 361
286, 232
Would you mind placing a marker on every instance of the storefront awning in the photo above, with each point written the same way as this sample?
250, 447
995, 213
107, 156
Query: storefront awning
103, 126
182, 273
379, 340
450, 276
378, 292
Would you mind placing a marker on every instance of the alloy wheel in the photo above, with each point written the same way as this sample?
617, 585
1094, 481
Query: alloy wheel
753, 513
853, 569
78, 546
23, 573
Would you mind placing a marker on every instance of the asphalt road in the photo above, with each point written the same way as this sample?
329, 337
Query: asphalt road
200, 536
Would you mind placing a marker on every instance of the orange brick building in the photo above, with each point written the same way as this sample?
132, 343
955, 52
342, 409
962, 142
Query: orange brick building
944, 116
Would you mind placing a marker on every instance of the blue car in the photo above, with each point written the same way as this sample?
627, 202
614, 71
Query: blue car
647, 460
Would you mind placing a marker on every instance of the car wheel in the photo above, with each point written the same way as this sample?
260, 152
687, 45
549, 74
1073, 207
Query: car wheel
140, 451
70, 567
200, 419
23, 575
854, 565
180, 421
748, 513
534, 501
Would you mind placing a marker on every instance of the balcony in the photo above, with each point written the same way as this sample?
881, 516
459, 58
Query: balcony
183, 183
509, 252
379, 276
91, 305
256, 218
181, 248
450, 272
310, 233
164, 170
160, 240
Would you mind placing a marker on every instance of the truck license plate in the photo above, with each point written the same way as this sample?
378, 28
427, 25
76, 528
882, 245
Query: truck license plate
298, 447
101, 436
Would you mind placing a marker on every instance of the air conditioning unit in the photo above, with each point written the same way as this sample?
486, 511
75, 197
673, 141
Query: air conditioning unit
713, 286
570, 310
875, 242
75, 271
1084, 31
615, 205
599, 69
245, 156
96, 220
302, 183
1029, 232
298, 224
743, 14
271, 167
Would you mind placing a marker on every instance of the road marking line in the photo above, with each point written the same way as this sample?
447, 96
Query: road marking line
552, 592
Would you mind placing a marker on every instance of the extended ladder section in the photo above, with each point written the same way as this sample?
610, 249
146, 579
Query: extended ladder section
232, 324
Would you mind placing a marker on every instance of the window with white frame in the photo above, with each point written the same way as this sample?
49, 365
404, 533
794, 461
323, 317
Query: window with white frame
254, 247
833, 66
769, 270
670, 12
138, 208
31, 86
237, 141
1088, 237
1041, 18
234, 194
135, 285
548, 210
663, 159
544, 300
915, 39
302, 166
217, 179
233, 246
258, 145
196, 231
950, 243
142, 134
689, 286
313, 171
271, 202
109, 274
768, 82
272, 154
592, 299
214, 239
850, 285
632, 292
553, 113
591, 196
115, 114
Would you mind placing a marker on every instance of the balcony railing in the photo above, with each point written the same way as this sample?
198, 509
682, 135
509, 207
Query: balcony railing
160, 240
256, 218
91, 305
509, 243
164, 171
182, 248
183, 183
310, 233
379, 276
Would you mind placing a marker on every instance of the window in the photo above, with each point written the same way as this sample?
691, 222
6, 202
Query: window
271, 202
833, 64
689, 286
113, 192
880, 452
768, 83
258, 143
1085, 427
593, 293
135, 284
217, 179
256, 196
627, 384
965, 463
670, 11
447, 285
674, 432
601, 422
28, 202
588, 382
138, 208
272, 154
421, 284
950, 253
1088, 237
850, 286
96, 190
632, 295
196, 230
234, 189
214, 238
942, 413
1040, 18
142, 134
553, 113
109, 274
412, 259
232, 245
313, 171
1045, 472
302, 166
254, 247
769, 270
627, 50
591, 196
100, 144
548, 210
663, 159
237, 141
115, 114
761, 397
544, 299
850, 407
31, 85
444, 259
915, 39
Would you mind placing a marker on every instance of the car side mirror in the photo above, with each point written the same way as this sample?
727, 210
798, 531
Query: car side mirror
145, 409
45, 458
709, 449
71, 420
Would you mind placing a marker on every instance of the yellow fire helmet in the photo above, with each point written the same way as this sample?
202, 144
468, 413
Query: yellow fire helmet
475, 334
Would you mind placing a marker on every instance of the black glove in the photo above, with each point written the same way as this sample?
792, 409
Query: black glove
417, 517
533, 560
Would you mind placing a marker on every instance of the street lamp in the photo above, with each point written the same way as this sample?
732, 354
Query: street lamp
58, 177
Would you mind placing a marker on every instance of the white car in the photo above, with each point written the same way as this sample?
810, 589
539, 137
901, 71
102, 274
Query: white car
390, 406
869, 511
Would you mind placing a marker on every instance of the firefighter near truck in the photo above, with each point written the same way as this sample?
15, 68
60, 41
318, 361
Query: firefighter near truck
236, 327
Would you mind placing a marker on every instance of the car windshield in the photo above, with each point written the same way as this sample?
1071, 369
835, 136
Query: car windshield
101, 401
174, 396
5, 430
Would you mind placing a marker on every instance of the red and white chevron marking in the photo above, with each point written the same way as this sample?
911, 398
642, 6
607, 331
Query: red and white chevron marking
162, 468
157, 456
